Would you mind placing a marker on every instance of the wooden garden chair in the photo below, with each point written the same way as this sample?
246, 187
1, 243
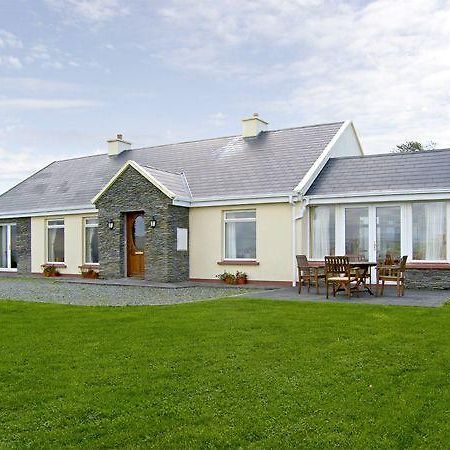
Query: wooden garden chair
392, 272
308, 273
339, 275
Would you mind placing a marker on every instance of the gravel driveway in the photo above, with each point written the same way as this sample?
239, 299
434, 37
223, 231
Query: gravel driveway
49, 291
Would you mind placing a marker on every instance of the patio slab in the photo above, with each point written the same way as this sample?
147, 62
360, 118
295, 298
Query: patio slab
420, 297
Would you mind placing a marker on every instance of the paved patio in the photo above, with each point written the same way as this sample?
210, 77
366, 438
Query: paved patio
422, 297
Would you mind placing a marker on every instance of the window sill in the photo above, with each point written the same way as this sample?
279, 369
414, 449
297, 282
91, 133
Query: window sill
238, 262
89, 266
6, 270
57, 264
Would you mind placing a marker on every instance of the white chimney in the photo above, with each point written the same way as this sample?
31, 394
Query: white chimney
117, 146
252, 126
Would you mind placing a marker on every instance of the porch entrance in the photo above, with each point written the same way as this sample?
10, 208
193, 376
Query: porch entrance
372, 232
135, 244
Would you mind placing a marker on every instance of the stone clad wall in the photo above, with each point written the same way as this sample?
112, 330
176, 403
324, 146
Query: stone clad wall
23, 243
131, 192
428, 278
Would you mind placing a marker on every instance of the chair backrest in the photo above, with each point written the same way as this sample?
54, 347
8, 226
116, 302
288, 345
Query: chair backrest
402, 263
302, 262
337, 265
353, 257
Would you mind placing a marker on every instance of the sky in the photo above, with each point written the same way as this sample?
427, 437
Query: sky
74, 73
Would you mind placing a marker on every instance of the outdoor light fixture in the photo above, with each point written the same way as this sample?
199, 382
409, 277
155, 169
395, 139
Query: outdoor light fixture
153, 222
111, 224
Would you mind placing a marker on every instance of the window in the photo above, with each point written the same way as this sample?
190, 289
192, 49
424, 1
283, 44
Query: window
357, 233
182, 239
240, 235
322, 225
55, 241
429, 231
91, 241
8, 247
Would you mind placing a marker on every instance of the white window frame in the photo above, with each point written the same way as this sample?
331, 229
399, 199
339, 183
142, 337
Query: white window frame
242, 220
406, 221
50, 227
447, 228
85, 226
8, 247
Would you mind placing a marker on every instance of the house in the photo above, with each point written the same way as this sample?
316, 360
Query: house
249, 202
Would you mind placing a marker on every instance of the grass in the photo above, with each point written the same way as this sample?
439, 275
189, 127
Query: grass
229, 373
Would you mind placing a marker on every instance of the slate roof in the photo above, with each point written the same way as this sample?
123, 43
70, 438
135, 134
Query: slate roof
272, 163
175, 182
384, 173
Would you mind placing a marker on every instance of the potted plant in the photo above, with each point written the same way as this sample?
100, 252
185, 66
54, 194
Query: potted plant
50, 271
241, 277
227, 277
89, 273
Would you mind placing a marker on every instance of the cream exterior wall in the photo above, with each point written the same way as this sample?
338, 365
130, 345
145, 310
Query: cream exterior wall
73, 242
273, 242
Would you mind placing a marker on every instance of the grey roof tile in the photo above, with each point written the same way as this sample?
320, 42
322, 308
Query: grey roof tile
383, 173
274, 162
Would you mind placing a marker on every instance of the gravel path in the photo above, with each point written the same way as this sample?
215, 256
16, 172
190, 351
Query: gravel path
48, 291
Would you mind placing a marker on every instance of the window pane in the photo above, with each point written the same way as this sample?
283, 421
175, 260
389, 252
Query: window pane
3, 247
357, 233
388, 232
91, 245
240, 240
13, 246
241, 215
54, 223
92, 222
56, 245
322, 231
429, 231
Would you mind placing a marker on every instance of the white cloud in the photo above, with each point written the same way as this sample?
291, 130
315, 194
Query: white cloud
10, 62
90, 10
9, 40
36, 103
385, 64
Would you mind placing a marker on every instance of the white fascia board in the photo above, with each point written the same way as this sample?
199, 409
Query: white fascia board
236, 200
143, 172
46, 212
379, 197
320, 162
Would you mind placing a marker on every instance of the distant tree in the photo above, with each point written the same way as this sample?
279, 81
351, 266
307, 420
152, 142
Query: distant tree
414, 146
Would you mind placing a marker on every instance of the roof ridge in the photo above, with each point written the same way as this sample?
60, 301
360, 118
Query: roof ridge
198, 140
376, 155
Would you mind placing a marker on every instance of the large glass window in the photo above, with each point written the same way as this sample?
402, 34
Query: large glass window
240, 235
429, 231
91, 241
4, 247
8, 247
55, 241
357, 233
13, 255
322, 231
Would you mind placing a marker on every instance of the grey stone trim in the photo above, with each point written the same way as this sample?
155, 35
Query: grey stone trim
23, 243
131, 192
428, 278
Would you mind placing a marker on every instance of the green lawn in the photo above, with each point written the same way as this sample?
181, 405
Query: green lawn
225, 373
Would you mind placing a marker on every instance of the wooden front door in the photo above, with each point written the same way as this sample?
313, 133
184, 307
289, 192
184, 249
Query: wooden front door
135, 245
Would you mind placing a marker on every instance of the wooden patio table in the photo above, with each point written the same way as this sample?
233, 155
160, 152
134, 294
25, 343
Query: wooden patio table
364, 267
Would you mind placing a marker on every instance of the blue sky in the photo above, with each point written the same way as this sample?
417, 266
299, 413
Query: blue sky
76, 72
